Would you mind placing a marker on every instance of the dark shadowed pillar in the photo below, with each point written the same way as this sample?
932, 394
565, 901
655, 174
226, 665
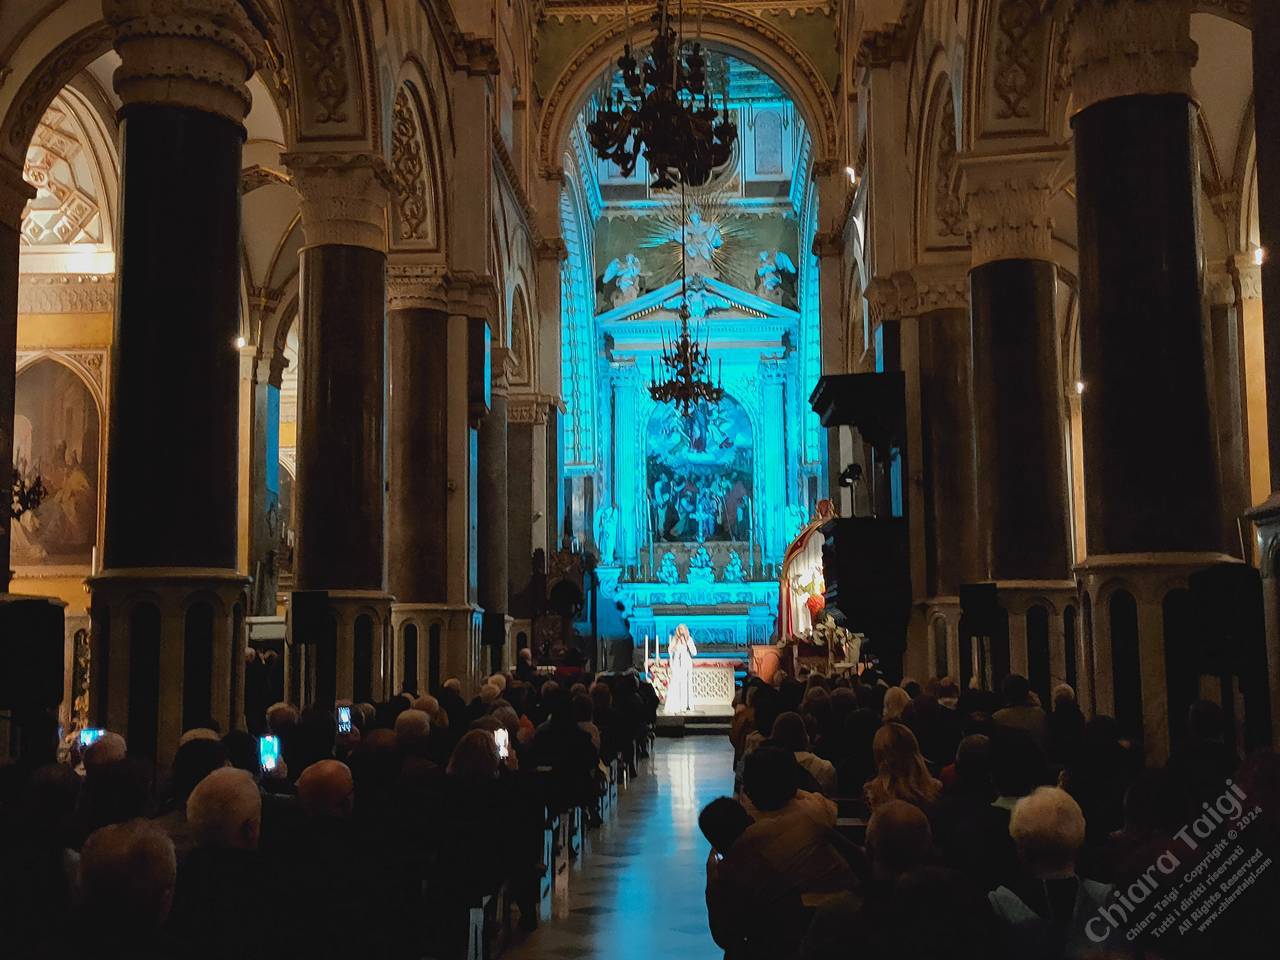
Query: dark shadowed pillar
341, 386
1022, 522
492, 504
417, 468
169, 597
14, 194
1149, 451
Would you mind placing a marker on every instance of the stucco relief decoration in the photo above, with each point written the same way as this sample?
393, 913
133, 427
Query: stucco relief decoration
948, 209
1014, 77
325, 57
411, 211
64, 210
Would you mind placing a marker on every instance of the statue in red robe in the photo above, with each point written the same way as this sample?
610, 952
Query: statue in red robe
803, 584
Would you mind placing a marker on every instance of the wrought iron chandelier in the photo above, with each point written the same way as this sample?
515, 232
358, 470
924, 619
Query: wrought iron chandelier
666, 110
686, 362
687, 367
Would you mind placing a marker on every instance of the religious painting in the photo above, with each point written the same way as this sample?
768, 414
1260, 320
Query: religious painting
56, 436
699, 473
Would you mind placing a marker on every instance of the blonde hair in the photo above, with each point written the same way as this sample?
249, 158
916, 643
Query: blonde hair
901, 771
896, 701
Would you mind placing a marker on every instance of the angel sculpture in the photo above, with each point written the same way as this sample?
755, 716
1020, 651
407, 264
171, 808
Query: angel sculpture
769, 274
625, 275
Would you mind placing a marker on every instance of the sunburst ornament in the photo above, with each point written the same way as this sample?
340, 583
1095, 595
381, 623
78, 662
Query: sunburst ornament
704, 221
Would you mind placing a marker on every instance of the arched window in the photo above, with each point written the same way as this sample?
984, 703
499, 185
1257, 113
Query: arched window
433, 658
1069, 630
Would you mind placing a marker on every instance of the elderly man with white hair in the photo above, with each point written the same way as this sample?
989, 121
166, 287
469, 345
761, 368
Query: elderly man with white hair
1047, 916
224, 883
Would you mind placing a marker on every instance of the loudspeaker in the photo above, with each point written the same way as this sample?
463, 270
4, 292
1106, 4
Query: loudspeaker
32, 654
309, 619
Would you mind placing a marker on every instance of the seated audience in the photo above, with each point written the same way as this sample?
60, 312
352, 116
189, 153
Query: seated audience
901, 773
1021, 711
769, 782
789, 731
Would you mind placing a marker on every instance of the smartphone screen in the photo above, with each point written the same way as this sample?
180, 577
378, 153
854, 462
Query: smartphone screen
344, 719
503, 740
90, 735
269, 753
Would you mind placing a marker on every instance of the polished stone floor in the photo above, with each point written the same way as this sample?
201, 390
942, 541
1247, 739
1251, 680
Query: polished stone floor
637, 892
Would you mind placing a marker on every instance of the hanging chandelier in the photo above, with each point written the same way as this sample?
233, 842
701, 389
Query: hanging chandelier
666, 110
686, 365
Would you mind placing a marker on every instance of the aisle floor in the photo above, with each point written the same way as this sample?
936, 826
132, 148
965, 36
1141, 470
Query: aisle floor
638, 891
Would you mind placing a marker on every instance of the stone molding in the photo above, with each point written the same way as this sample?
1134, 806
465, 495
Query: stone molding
1221, 277
1007, 203
1123, 48
344, 198
196, 54
66, 293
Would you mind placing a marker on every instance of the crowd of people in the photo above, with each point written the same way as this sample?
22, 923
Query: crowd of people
925, 822
370, 842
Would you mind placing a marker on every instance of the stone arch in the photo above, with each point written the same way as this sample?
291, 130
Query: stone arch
939, 211
744, 34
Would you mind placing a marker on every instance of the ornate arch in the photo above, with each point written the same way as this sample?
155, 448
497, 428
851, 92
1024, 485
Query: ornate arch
747, 35
417, 215
939, 211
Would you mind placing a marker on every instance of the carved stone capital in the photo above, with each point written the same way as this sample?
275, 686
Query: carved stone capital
828, 244
1122, 48
344, 198
530, 408
14, 194
501, 365
941, 287
197, 54
1007, 200
417, 286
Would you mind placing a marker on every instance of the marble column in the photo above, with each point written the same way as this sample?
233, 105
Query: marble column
1149, 450
417, 458
14, 194
341, 390
1266, 118
526, 502
168, 606
492, 501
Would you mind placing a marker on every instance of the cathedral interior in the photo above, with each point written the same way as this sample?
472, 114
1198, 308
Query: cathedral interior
997, 278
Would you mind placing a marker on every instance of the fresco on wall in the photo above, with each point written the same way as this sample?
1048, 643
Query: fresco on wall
56, 435
700, 473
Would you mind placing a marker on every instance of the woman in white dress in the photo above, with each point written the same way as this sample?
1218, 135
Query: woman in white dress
681, 652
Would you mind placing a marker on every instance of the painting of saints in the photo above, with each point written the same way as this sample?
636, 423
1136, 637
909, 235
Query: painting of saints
57, 433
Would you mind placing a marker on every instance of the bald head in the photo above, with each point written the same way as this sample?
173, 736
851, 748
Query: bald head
326, 789
106, 750
127, 873
899, 838
225, 810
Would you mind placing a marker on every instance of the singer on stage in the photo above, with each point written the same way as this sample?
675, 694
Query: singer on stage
681, 652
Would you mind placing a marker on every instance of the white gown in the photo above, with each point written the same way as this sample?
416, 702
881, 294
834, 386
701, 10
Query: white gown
680, 678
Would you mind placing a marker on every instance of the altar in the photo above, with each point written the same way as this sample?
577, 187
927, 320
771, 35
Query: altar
714, 682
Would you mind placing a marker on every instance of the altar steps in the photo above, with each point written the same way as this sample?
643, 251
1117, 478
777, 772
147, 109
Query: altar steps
694, 725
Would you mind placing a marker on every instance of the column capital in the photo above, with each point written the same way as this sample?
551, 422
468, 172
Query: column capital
417, 286
531, 408
1007, 198
14, 194
1123, 48
893, 297
344, 198
196, 54
501, 363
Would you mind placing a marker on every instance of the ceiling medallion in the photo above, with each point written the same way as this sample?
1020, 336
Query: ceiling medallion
664, 107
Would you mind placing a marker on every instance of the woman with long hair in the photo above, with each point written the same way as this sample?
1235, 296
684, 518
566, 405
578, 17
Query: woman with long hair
901, 773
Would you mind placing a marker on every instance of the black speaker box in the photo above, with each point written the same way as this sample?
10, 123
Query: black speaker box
32, 654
